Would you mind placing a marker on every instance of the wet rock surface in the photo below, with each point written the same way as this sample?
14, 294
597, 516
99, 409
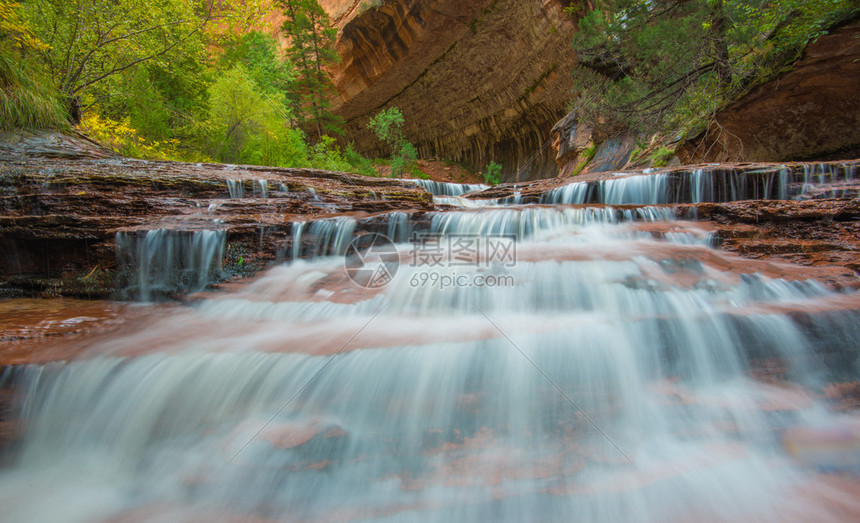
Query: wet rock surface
60, 213
817, 233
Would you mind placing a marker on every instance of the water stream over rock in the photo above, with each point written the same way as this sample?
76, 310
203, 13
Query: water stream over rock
159, 262
709, 185
531, 363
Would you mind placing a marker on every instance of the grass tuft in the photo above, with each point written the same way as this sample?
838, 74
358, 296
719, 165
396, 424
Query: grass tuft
26, 101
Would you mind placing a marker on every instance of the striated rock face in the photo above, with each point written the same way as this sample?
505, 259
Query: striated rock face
814, 233
476, 81
811, 112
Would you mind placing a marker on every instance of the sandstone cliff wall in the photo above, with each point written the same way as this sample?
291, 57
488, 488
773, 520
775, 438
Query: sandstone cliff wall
476, 81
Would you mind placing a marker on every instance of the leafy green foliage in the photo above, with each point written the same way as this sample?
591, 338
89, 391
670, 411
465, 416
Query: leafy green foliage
493, 174
403, 160
246, 126
388, 127
589, 152
358, 163
122, 137
657, 65
154, 87
418, 173
326, 155
147, 107
89, 41
661, 156
258, 54
15, 33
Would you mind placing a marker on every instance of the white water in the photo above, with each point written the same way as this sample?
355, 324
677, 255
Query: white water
261, 188
704, 185
606, 377
446, 189
328, 237
235, 188
161, 261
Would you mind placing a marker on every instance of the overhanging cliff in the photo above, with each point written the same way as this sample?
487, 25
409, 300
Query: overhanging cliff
476, 81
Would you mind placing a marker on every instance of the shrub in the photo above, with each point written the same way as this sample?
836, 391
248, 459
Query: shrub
661, 156
493, 174
126, 140
388, 127
358, 163
326, 155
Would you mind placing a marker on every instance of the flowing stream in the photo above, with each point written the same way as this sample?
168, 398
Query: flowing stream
570, 364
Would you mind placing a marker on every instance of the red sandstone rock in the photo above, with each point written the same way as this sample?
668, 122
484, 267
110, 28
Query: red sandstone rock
477, 81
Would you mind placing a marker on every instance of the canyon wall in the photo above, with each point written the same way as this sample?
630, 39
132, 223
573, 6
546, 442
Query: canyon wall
476, 81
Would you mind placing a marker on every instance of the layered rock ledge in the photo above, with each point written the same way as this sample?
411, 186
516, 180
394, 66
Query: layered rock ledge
63, 200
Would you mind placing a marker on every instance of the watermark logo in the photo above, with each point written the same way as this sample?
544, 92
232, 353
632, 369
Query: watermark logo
372, 260
463, 250
447, 280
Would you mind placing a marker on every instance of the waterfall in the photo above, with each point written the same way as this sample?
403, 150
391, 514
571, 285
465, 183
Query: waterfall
706, 185
235, 188
399, 227
536, 363
158, 262
298, 227
527, 221
261, 187
328, 237
446, 189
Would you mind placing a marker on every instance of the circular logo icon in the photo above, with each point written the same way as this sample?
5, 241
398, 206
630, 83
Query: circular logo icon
372, 260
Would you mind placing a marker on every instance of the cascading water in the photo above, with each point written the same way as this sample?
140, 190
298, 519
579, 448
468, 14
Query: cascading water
528, 221
602, 371
261, 188
235, 188
328, 237
446, 189
161, 261
706, 185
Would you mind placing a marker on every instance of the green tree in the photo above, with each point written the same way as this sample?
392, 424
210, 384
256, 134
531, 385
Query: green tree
311, 50
245, 126
90, 41
258, 54
388, 127
661, 65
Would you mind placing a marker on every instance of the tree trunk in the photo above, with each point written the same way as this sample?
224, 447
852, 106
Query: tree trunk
721, 49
